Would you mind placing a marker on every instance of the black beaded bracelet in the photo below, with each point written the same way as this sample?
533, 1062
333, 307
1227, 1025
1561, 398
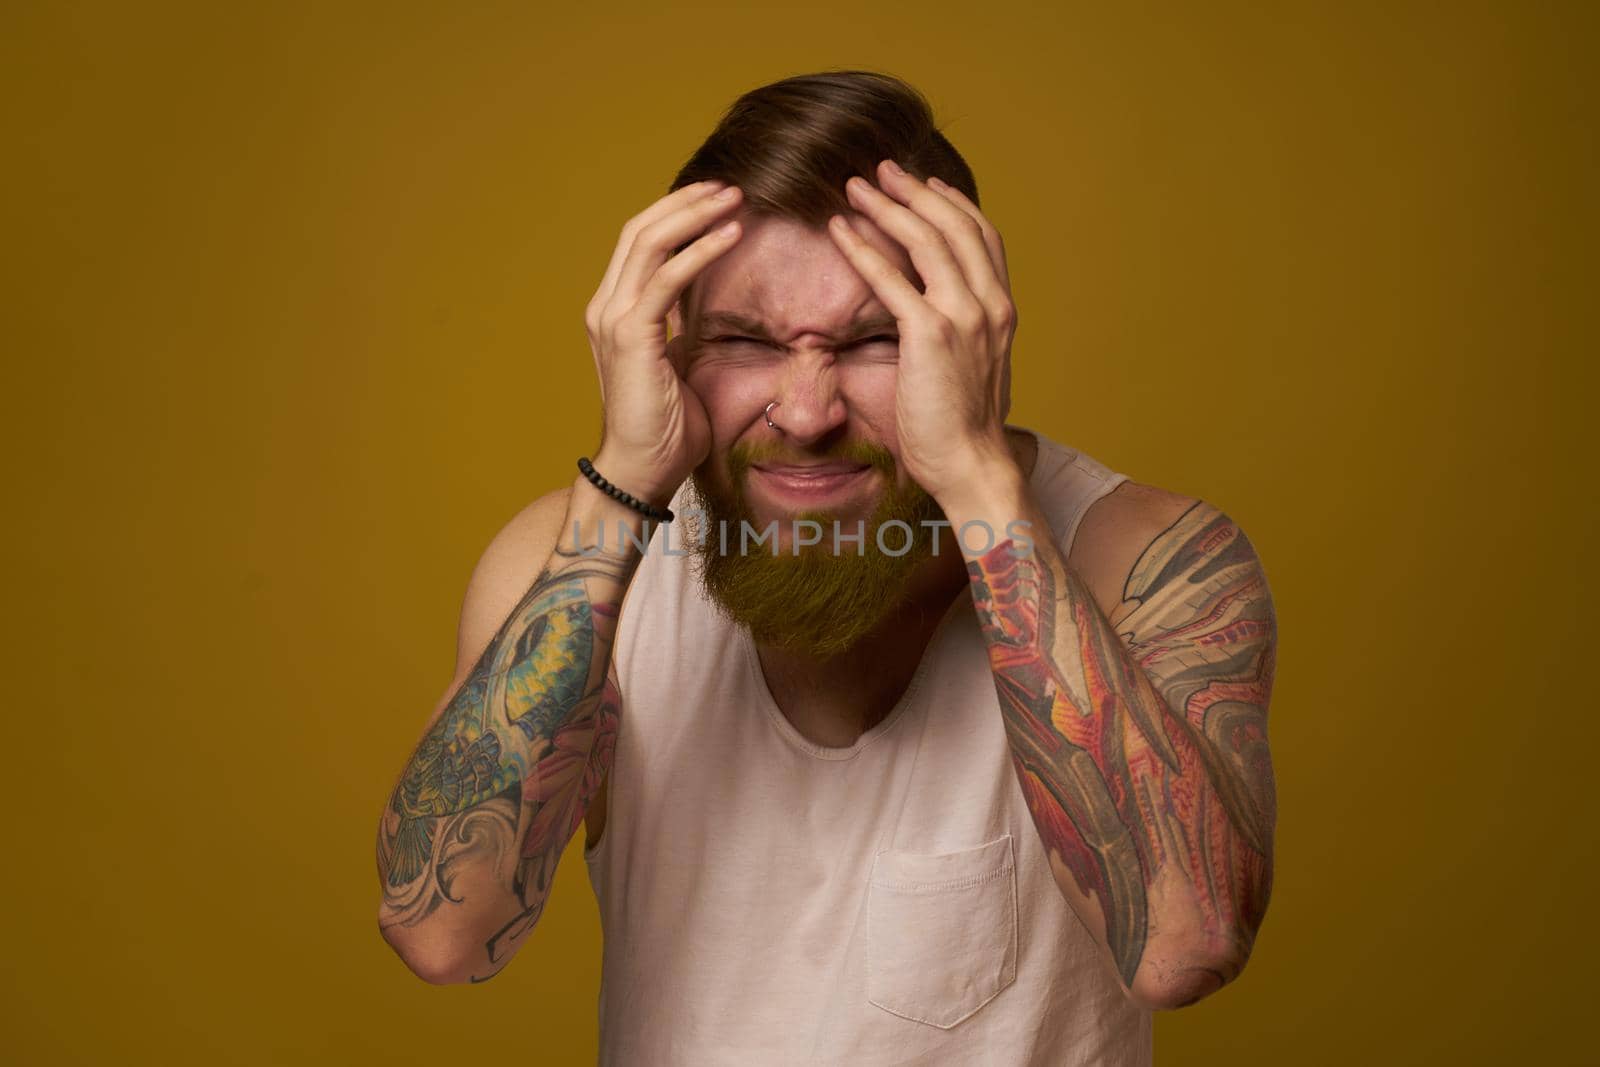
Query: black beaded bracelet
643, 507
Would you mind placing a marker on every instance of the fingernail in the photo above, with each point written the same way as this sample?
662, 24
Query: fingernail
936, 183
729, 193
894, 166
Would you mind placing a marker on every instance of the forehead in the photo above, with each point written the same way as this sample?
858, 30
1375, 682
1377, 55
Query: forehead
789, 277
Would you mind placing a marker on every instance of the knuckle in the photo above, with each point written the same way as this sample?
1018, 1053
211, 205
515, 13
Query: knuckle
679, 269
925, 326
925, 231
655, 234
970, 319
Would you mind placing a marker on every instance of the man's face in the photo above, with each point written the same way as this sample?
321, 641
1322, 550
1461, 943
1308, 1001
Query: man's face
784, 317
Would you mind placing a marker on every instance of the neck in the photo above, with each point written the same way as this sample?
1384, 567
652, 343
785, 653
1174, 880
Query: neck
833, 700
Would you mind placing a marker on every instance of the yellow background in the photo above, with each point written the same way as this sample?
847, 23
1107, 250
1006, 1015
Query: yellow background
294, 323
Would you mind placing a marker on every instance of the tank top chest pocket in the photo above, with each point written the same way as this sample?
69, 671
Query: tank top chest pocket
941, 931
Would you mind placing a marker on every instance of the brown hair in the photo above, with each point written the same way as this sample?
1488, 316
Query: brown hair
791, 145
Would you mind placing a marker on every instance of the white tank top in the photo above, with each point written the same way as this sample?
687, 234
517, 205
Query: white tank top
766, 900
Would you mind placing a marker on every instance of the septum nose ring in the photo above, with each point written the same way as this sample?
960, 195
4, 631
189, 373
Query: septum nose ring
768, 413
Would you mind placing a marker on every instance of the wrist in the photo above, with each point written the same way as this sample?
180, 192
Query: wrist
633, 478
598, 521
992, 506
991, 484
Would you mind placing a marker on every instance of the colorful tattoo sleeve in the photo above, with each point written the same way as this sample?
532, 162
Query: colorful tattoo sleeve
502, 779
1140, 740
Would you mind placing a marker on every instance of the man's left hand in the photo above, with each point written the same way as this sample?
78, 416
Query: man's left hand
954, 376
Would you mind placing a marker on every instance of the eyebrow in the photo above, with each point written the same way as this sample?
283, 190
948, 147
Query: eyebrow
717, 321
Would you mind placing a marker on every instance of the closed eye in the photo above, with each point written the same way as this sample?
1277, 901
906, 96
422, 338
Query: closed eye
880, 339
736, 340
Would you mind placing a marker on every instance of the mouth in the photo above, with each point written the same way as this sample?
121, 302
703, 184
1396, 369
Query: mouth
802, 485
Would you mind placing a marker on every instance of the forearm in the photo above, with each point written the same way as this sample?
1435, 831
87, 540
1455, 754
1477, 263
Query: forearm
1161, 843
476, 825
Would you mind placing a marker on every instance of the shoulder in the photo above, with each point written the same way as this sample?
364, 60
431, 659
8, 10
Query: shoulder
505, 570
1139, 538
1117, 530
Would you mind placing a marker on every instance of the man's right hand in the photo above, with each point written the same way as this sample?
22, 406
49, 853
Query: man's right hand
656, 428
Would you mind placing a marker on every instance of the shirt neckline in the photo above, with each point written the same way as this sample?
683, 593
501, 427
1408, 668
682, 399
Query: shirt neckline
959, 604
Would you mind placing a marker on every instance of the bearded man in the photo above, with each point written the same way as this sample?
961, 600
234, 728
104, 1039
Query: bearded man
929, 739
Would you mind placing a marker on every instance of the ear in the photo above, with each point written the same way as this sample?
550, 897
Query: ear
675, 319
676, 342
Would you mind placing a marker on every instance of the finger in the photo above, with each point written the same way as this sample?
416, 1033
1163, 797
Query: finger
961, 231
875, 238
885, 279
886, 245
991, 236
654, 244
997, 255
619, 255
947, 286
674, 276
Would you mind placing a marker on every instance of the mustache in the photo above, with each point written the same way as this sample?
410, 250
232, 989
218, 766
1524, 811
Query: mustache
743, 456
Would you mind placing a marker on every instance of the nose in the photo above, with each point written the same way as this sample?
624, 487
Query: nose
809, 404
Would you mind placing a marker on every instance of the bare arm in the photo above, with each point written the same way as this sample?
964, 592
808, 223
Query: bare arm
473, 831
516, 751
1139, 740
